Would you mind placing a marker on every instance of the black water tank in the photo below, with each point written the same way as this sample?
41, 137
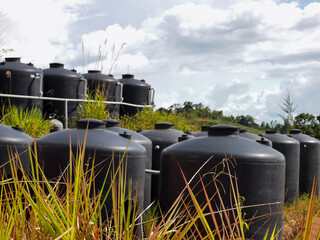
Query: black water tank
62, 83
54, 149
162, 136
14, 141
21, 79
259, 170
202, 133
114, 126
309, 160
136, 92
247, 134
290, 148
110, 87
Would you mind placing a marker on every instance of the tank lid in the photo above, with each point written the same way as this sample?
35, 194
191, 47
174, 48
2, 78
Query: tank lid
295, 131
184, 137
111, 123
205, 128
127, 75
125, 135
271, 132
18, 128
91, 123
13, 59
163, 125
223, 130
56, 65
94, 71
263, 141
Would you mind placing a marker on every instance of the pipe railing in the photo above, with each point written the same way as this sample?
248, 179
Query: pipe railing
66, 100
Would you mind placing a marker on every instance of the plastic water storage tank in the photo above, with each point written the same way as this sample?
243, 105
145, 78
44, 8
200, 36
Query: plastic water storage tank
309, 160
108, 86
259, 169
137, 92
62, 83
290, 148
54, 151
114, 126
21, 79
14, 140
162, 136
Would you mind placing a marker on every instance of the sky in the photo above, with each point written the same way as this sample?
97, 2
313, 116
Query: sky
238, 56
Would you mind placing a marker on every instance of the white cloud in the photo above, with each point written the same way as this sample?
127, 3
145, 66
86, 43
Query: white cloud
192, 50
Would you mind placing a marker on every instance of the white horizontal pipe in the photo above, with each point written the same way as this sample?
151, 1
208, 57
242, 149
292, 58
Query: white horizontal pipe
69, 100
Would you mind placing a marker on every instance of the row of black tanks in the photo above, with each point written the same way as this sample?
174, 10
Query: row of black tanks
57, 82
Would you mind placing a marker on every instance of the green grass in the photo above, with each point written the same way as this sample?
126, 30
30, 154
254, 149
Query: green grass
31, 120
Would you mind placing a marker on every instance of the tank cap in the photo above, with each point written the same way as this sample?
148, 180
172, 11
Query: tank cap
127, 75
90, 123
30, 64
125, 135
264, 141
205, 128
18, 128
111, 123
163, 125
13, 59
184, 137
56, 65
223, 130
94, 71
271, 132
295, 131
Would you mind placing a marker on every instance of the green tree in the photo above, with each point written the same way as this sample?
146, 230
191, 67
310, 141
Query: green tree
288, 107
308, 124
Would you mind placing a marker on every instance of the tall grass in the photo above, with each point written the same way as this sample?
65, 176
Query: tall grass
95, 108
148, 117
31, 120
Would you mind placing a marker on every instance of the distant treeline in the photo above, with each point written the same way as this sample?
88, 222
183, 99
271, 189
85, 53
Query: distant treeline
203, 115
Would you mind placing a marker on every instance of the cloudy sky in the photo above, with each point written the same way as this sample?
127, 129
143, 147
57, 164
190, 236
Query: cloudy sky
239, 56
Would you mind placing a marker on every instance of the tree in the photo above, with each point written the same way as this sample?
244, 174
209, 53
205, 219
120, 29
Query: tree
288, 107
308, 124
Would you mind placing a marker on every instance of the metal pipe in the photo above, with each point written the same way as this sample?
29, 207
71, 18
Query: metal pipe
66, 113
69, 99
153, 172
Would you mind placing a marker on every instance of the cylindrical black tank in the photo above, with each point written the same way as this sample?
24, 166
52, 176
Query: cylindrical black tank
259, 170
162, 136
114, 126
136, 92
14, 141
247, 134
309, 160
62, 83
290, 148
54, 149
21, 79
108, 86
202, 133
